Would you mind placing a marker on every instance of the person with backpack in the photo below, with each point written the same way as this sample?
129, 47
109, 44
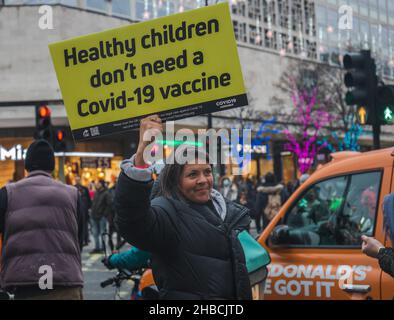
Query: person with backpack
269, 199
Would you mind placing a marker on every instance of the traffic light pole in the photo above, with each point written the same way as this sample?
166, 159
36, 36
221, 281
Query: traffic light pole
376, 136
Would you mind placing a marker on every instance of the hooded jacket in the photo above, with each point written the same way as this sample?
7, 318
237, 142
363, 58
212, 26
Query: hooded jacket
195, 250
263, 193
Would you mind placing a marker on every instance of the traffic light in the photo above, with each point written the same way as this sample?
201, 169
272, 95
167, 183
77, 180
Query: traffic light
362, 81
59, 141
385, 104
43, 123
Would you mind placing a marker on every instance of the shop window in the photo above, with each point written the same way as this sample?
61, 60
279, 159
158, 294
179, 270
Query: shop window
72, 3
269, 13
121, 7
270, 39
239, 8
6, 172
100, 5
289, 171
255, 35
333, 212
236, 29
34, 2
254, 9
242, 32
296, 12
284, 13
324, 57
266, 165
363, 5
310, 19
354, 5
311, 49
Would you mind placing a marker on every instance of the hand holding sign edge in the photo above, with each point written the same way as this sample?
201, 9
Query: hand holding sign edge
152, 122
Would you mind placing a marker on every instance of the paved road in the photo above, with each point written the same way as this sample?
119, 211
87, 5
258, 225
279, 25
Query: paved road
94, 273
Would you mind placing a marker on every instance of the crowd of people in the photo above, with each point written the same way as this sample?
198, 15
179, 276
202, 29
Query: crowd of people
98, 207
263, 198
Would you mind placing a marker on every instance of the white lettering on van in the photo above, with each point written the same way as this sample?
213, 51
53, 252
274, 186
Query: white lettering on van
306, 280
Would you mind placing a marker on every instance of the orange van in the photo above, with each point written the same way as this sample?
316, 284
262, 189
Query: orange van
314, 241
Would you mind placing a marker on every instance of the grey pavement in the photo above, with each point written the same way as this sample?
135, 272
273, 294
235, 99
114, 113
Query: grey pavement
95, 272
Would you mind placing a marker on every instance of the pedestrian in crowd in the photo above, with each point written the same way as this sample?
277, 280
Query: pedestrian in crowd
270, 197
111, 215
101, 207
41, 221
86, 204
228, 189
373, 248
248, 203
92, 189
289, 188
180, 226
242, 182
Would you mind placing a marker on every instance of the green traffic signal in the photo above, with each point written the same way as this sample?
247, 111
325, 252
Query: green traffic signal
388, 114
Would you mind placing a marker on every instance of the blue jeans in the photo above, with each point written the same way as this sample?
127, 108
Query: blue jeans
99, 226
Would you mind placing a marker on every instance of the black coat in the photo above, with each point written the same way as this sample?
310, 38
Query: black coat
195, 255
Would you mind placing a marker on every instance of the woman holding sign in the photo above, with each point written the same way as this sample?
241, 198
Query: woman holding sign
190, 229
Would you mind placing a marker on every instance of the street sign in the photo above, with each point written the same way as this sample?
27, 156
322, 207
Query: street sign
94, 163
104, 163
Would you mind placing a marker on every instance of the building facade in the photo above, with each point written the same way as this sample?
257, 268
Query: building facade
271, 36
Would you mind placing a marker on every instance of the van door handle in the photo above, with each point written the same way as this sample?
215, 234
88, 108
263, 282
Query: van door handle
356, 288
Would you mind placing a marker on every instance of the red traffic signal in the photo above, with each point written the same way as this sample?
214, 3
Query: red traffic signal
43, 123
59, 135
60, 143
44, 112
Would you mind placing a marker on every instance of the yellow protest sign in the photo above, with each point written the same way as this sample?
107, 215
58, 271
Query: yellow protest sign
177, 66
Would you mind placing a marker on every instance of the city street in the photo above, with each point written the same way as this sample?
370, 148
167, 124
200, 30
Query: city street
244, 148
95, 272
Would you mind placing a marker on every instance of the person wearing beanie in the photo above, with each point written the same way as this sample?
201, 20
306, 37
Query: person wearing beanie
40, 156
41, 223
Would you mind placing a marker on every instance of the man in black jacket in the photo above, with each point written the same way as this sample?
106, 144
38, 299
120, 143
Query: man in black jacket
86, 203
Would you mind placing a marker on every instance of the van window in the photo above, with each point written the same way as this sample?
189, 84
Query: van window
334, 212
